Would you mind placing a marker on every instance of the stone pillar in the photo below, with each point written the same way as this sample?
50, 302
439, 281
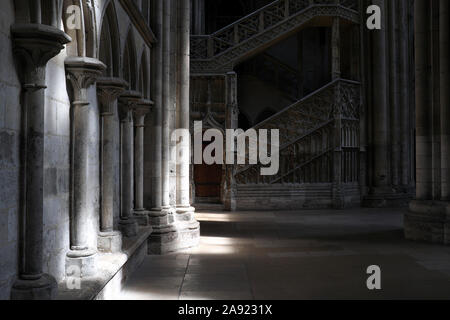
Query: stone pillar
170, 234
140, 111
184, 209
444, 35
338, 192
157, 117
394, 101
34, 45
424, 187
404, 88
198, 14
82, 73
427, 219
380, 115
166, 97
232, 122
127, 102
109, 89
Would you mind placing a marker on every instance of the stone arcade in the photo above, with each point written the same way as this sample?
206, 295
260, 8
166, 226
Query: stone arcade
90, 182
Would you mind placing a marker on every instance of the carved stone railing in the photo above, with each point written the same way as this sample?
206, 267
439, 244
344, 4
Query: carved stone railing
278, 74
222, 50
298, 160
308, 131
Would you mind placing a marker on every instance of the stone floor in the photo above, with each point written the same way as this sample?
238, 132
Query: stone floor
320, 254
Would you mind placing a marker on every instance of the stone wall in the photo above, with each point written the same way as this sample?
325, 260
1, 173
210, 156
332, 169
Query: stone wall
10, 114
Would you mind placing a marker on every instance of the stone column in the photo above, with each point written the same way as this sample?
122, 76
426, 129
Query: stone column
183, 195
444, 35
338, 192
34, 45
157, 117
128, 224
426, 219
165, 165
198, 14
394, 98
232, 122
82, 73
139, 112
405, 153
109, 90
380, 103
424, 187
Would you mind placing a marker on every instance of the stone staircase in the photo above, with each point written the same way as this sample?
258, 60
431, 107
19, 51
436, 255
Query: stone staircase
221, 51
319, 146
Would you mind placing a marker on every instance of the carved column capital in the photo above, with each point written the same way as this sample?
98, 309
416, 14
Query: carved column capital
109, 89
35, 45
83, 72
140, 111
128, 101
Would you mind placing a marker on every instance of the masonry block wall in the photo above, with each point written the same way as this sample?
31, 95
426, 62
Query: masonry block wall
10, 124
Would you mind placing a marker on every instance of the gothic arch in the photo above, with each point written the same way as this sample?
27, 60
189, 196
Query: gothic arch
129, 65
109, 46
84, 40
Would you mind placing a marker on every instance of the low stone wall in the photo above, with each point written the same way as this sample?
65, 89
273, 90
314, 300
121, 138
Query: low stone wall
113, 271
292, 196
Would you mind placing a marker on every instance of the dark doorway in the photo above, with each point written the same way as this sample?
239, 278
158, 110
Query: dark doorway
208, 179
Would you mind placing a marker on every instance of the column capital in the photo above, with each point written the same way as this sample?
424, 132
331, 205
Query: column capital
108, 90
35, 45
141, 110
128, 101
83, 72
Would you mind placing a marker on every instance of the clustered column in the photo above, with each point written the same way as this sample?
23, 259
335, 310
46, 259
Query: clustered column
184, 208
389, 167
428, 215
173, 228
156, 211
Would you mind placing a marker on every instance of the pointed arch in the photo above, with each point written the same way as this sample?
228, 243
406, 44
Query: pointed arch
109, 44
129, 65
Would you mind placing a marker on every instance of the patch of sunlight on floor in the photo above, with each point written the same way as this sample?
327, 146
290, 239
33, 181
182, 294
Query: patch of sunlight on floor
214, 217
214, 246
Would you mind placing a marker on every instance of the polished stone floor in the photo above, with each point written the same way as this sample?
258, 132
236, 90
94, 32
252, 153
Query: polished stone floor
320, 254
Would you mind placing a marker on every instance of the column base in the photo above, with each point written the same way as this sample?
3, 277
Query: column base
387, 197
128, 227
81, 263
141, 216
428, 221
109, 242
177, 237
185, 213
161, 216
44, 288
